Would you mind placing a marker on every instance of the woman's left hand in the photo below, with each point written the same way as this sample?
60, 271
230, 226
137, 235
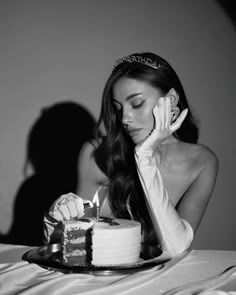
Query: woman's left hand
163, 127
68, 206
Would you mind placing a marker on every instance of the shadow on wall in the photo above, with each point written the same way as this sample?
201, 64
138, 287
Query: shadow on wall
54, 144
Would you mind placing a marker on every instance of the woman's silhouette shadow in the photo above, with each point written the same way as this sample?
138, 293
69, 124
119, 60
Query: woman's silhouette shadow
54, 144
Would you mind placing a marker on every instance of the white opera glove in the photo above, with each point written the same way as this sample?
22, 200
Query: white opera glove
66, 207
174, 234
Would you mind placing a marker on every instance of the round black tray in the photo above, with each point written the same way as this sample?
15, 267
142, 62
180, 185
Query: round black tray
49, 257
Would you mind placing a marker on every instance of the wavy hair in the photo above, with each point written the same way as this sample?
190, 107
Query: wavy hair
115, 153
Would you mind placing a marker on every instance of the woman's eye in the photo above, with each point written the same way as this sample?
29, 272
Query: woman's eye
138, 105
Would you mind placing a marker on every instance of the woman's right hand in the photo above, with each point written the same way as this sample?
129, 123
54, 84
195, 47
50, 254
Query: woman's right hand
163, 127
69, 206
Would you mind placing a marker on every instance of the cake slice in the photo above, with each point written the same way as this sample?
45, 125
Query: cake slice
76, 241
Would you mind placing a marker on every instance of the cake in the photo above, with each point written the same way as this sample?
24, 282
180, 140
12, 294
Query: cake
106, 242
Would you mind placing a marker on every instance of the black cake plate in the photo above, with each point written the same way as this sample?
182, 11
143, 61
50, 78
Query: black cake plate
49, 257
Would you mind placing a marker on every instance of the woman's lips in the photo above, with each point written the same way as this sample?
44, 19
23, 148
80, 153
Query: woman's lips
133, 132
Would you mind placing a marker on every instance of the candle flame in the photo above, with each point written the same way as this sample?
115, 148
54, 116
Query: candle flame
96, 201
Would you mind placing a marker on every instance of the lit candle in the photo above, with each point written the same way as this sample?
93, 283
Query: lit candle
98, 209
96, 201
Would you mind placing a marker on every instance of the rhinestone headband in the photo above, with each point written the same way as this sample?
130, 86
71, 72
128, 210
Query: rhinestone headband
137, 59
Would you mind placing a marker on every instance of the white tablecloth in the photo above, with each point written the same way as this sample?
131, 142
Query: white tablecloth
190, 273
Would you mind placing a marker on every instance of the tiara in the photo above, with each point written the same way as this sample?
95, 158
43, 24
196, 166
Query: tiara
137, 59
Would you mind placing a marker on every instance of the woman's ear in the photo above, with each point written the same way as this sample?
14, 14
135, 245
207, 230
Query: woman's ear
174, 97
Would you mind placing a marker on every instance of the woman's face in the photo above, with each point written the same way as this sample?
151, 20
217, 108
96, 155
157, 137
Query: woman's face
135, 100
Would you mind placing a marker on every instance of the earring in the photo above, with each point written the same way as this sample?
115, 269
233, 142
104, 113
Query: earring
174, 99
174, 114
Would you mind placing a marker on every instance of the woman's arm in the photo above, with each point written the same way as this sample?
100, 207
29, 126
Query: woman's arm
174, 234
174, 228
69, 205
193, 204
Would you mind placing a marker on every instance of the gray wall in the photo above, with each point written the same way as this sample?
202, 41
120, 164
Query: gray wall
58, 50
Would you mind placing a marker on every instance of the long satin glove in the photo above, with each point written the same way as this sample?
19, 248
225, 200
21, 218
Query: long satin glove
174, 234
67, 207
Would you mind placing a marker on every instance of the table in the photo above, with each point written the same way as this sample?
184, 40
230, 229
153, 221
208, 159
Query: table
189, 273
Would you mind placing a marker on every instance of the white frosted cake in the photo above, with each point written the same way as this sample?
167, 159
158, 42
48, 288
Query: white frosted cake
107, 242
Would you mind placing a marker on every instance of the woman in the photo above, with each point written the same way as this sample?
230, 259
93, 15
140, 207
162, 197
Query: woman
149, 160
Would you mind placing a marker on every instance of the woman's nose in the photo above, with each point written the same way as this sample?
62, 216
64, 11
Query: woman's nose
126, 118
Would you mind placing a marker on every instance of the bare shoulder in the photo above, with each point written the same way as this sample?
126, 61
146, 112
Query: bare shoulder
201, 157
87, 149
88, 162
205, 156
89, 175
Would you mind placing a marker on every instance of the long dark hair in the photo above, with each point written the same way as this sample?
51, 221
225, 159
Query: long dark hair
115, 153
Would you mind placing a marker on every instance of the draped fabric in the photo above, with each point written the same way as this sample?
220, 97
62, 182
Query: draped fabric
189, 273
